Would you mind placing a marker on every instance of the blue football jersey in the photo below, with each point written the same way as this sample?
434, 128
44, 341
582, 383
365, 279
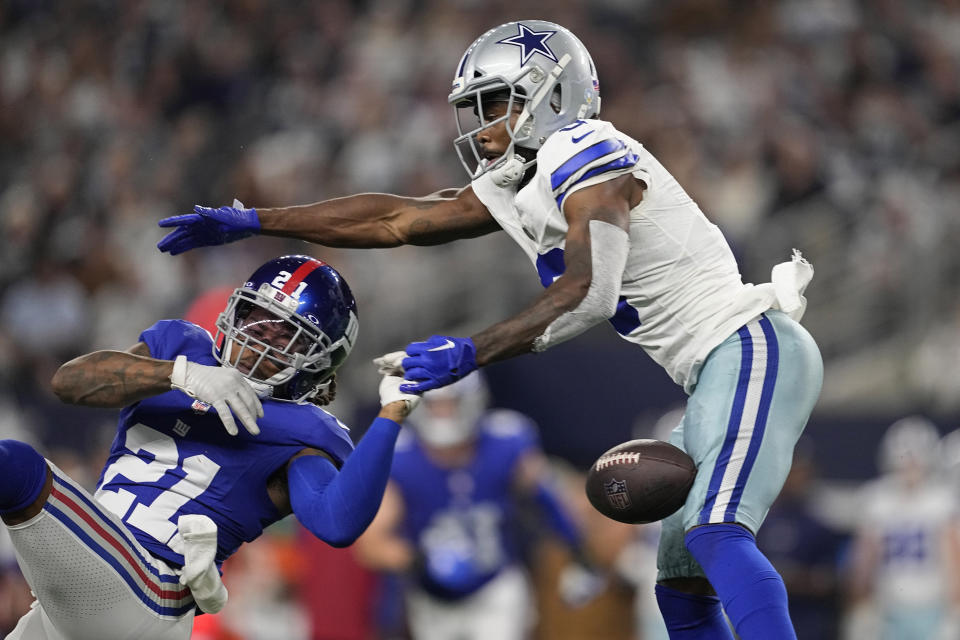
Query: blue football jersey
172, 456
459, 518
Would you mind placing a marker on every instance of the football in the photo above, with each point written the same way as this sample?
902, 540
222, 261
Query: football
640, 481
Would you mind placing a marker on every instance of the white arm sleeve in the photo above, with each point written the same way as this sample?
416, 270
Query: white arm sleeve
608, 257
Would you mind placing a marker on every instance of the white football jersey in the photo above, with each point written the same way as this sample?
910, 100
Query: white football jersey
681, 293
911, 527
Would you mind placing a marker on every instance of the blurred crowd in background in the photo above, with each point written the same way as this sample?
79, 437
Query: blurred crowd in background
831, 126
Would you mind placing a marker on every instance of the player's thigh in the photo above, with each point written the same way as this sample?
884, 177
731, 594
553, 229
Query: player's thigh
92, 579
752, 401
430, 618
503, 608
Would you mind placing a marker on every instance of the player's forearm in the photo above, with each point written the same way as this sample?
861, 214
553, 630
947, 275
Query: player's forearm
111, 379
368, 220
516, 335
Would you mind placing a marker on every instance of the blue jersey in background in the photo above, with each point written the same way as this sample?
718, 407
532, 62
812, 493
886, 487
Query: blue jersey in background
459, 518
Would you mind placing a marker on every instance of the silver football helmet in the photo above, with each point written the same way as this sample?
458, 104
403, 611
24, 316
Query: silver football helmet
449, 416
909, 443
536, 63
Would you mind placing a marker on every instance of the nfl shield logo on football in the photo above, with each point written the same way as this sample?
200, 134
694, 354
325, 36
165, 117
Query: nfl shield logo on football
616, 491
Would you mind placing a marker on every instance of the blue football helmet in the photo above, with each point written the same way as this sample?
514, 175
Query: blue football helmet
534, 63
288, 328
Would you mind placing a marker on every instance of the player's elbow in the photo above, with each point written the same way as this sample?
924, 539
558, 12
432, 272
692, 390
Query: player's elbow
334, 532
60, 384
340, 542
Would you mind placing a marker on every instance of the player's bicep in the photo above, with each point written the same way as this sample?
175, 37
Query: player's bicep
606, 203
435, 220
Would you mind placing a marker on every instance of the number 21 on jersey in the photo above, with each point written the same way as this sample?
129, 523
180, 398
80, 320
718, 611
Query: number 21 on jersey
155, 518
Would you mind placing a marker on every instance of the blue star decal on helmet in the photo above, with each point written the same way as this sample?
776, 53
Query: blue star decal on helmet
531, 42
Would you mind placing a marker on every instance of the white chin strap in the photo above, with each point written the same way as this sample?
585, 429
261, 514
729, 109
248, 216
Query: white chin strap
262, 389
511, 172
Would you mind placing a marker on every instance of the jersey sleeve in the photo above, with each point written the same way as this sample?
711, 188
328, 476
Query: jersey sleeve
585, 153
168, 339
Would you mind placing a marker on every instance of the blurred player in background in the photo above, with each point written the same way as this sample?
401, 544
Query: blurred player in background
806, 549
461, 477
905, 575
613, 237
183, 487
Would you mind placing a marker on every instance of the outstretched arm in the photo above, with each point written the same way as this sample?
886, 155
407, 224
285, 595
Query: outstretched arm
586, 293
372, 220
337, 506
367, 220
598, 218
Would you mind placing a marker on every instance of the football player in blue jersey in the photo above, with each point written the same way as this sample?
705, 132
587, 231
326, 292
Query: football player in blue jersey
183, 487
460, 475
614, 237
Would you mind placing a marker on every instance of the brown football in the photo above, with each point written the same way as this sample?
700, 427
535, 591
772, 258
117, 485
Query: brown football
640, 481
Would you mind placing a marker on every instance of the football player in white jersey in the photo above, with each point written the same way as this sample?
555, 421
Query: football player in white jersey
613, 237
906, 553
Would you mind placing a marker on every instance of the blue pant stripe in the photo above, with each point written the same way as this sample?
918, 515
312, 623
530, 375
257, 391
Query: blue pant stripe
733, 425
763, 412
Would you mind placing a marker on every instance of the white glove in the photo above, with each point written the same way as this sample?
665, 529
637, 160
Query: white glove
223, 388
390, 364
199, 572
579, 585
390, 392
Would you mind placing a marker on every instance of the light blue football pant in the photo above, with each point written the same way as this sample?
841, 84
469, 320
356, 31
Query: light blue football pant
753, 397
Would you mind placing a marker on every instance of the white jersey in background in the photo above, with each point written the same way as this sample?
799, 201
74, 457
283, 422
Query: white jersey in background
912, 527
681, 294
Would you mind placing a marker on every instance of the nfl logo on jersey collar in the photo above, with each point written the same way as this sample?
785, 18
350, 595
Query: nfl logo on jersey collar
531, 42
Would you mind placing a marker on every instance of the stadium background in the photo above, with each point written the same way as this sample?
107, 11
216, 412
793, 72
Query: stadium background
827, 125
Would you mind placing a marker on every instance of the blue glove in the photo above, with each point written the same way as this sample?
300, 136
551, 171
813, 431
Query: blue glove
206, 227
437, 362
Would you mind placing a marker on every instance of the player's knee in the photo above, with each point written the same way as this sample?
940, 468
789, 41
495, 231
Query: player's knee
23, 472
693, 585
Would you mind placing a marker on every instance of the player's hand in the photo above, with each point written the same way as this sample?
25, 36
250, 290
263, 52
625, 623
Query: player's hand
207, 227
390, 392
579, 584
437, 362
390, 363
224, 388
200, 574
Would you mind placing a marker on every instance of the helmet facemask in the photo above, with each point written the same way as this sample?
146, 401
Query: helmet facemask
280, 352
470, 110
